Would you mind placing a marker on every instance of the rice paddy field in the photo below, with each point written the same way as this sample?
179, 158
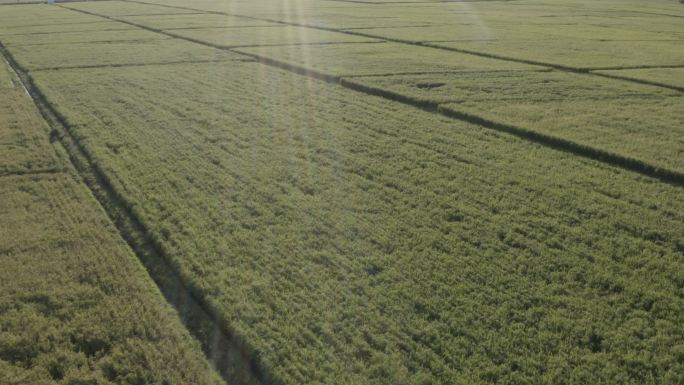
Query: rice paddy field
342, 192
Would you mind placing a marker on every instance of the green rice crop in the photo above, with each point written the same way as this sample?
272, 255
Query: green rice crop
347, 238
351, 240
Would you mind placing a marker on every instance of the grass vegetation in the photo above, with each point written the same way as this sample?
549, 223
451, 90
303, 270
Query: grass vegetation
350, 239
76, 307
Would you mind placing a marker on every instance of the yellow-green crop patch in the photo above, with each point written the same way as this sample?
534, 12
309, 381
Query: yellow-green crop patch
24, 146
6, 77
75, 304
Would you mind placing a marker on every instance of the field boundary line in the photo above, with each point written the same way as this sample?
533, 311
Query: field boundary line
58, 1
551, 141
446, 72
560, 67
637, 67
40, 2
65, 32
231, 355
390, 27
50, 24
93, 66
419, 2
325, 43
639, 81
159, 14
226, 27
86, 42
38, 172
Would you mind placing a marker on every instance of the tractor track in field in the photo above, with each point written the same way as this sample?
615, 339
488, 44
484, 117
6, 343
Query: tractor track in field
232, 356
631, 164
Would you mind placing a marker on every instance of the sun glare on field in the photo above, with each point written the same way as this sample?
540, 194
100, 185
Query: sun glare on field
383, 192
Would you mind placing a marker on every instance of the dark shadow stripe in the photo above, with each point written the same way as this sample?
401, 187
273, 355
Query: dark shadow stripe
38, 172
640, 81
